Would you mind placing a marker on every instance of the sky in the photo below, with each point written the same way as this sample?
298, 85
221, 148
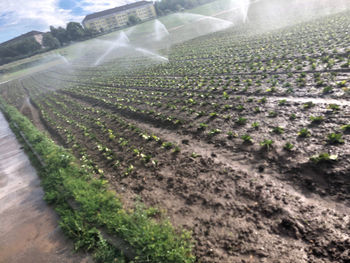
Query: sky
21, 16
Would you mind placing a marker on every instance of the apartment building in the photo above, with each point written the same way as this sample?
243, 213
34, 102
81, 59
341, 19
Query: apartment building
114, 18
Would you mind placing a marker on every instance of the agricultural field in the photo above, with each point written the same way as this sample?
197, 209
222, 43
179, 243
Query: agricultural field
240, 135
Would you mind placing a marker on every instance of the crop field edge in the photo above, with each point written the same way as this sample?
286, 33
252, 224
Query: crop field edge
90, 214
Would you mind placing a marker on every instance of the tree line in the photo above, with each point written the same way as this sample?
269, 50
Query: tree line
165, 7
53, 39
58, 37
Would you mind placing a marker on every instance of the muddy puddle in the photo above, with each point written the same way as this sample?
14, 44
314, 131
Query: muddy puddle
29, 229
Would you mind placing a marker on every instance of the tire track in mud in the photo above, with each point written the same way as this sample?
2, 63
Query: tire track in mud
237, 212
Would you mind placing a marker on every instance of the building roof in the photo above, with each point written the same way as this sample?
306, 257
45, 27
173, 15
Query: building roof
116, 10
26, 35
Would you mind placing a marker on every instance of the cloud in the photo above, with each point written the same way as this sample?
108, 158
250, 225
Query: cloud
41, 14
91, 6
20, 16
32, 13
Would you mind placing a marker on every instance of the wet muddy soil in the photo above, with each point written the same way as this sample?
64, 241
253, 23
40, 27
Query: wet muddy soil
29, 230
240, 207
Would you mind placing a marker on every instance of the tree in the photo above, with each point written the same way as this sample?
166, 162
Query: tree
50, 42
132, 20
75, 31
89, 32
7, 52
26, 46
18, 49
60, 33
167, 6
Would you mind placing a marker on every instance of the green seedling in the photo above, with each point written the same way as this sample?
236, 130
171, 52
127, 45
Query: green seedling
282, 102
304, 132
231, 135
346, 128
288, 146
308, 105
327, 90
241, 121
214, 132
195, 155
333, 107
255, 125
316, 119
335, 138
323, 158
203, 126
167, 145
246, 138
278, 130
272, 114
266, 144
293, 116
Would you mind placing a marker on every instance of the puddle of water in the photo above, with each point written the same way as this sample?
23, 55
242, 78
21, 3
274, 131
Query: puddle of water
29, 230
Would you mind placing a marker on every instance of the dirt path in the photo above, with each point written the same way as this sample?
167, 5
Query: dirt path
32, 113
29, 230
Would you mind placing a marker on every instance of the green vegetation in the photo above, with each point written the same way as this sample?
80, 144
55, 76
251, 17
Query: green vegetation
18, 50
304, 132
247, 138
288, 146
335, 138
278, 130
323, 158
167, 145
272, 114
63, 180
282, 102
57, 37
266, 144
241, 121
176, 149
293, 116
308, 105
333, 107
167, 6
316, 119
214, 132
231, 135
50, 42
346, 128
255, 125
195, 155
117, 118
203, 126
262, 100
133, 20
327, 89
